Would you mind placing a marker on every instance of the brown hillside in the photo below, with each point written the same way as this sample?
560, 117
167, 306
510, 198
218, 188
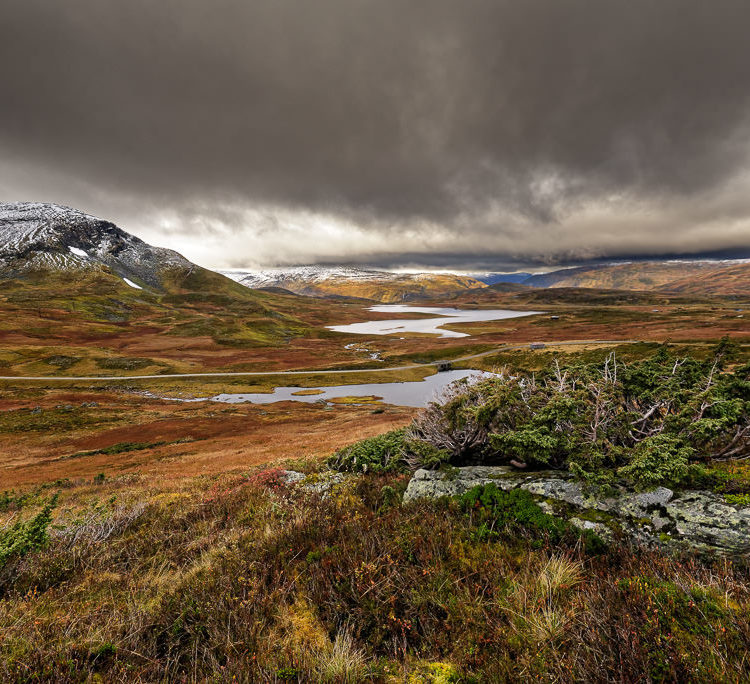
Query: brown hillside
729, 281
643, 275
393, 289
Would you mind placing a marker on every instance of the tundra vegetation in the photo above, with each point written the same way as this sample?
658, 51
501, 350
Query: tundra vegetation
249, 577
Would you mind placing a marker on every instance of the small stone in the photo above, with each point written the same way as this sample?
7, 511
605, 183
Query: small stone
323, 483
599, 529
292, 476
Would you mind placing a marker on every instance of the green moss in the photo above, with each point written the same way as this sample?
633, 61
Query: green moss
434, 673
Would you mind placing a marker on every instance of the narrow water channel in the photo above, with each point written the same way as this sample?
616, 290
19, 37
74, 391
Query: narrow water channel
417, 393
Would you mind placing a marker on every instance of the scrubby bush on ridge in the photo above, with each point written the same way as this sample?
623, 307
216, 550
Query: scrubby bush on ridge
380, 454
23, 536
647, 421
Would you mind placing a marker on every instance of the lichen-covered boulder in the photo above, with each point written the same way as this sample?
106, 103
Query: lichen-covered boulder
434, 484
700, 520
706, 521
562, 490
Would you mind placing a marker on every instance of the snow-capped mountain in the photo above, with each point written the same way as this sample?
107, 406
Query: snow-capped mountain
273, 277
50, 236
342, 281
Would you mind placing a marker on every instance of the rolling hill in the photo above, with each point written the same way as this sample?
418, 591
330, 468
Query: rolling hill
637, 275
728, 281
81, 284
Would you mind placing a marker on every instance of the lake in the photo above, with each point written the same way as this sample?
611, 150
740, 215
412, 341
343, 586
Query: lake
430, 326
418, 393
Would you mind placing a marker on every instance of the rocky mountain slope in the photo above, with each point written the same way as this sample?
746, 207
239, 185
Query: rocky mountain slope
69, 277
36, 236
380, 286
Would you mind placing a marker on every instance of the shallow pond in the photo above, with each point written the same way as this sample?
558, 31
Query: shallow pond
431, 326
417, 393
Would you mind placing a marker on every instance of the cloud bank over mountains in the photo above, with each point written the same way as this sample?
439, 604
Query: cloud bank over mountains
486, 133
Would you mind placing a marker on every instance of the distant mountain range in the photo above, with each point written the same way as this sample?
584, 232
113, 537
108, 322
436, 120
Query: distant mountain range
38, 237
382, 286
730, 277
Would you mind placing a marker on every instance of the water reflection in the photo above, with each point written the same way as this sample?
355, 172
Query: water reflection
418, 393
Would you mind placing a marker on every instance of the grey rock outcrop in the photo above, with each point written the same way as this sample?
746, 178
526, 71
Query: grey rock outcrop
700, 520
432, 484
709, 522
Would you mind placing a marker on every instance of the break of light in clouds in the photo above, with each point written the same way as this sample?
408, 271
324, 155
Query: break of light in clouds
475, 134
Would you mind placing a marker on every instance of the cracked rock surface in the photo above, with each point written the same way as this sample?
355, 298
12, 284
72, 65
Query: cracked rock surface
701, 520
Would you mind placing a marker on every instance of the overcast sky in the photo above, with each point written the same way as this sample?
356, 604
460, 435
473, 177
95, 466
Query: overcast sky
467, 134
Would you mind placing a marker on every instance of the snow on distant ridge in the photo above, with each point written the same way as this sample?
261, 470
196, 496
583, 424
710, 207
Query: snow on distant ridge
309, 274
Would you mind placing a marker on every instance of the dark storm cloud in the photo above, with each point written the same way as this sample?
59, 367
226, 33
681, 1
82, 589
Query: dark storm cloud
526, 128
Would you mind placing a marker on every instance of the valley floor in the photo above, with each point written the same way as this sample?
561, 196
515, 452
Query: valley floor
177, 551
63, 435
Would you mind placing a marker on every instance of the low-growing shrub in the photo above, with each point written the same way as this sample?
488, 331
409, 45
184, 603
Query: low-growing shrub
381, 454
26, 535
648, 422
656, 460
